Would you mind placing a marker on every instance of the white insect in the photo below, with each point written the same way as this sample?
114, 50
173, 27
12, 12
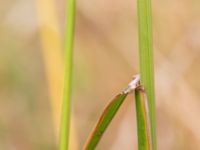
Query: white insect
133, 84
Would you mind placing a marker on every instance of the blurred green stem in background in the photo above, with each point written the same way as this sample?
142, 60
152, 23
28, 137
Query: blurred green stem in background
146, 60
68, 47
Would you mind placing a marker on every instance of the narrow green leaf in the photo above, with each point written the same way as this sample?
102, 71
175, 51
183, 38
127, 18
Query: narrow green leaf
68, 47
146, 60
143, 122
104, 121
108, 114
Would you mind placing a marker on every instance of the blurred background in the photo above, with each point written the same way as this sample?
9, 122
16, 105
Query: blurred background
105, 59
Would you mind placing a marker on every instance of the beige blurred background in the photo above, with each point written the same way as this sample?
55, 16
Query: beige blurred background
105, 59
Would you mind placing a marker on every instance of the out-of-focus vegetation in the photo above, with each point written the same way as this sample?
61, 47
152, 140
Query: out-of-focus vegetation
105, 43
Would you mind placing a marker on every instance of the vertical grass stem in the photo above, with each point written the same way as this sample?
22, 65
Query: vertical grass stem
68, 47
146, 59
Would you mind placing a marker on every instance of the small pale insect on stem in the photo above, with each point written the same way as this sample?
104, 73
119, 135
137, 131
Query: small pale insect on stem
133, 84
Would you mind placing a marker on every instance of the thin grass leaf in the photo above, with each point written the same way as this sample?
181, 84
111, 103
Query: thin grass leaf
52, 54
143, 120
68, 47
108, 114
146, 60
104, 121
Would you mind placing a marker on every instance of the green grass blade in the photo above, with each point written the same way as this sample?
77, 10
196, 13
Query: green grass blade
146, 59
104, 121
143, 121
68, 47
